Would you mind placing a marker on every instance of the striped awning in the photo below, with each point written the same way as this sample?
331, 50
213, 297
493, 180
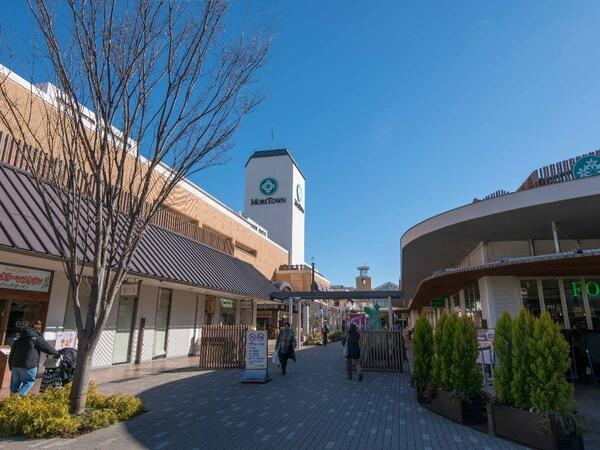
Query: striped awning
161, 254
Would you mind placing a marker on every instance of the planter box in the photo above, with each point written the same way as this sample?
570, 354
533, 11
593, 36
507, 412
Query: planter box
533, 429
468, 413
422, 399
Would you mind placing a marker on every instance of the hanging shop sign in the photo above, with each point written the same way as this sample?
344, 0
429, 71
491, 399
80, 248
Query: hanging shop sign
129, 289
246, 304
588, 166
592, 288
438, 303
24, 278
226, 303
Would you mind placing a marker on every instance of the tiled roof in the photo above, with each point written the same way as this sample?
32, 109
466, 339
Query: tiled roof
161, 254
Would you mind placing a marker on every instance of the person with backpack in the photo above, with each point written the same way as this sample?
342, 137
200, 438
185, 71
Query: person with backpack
324, 333
351, 344
24, 358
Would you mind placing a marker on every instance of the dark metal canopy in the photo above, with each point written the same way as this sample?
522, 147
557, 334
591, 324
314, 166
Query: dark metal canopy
337, 295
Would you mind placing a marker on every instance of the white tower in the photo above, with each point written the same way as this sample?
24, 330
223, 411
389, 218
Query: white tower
275, 199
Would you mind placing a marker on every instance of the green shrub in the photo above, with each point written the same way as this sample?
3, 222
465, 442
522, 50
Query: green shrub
422, 340
465, 376
335, 335
522, 358
550, 391
503, 373
443, 342
314, 339
47, 414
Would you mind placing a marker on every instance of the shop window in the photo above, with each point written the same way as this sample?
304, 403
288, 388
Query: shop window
575, 304
16, 315
246, 312
209, 310
592, 289
552, 301
84, 302
455, 304
531, 296
227, 311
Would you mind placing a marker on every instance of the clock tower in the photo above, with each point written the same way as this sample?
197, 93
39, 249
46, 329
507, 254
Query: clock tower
274, 198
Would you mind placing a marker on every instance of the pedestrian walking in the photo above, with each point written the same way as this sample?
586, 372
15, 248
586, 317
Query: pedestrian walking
286, 346
351, 344
24, 358
324, 333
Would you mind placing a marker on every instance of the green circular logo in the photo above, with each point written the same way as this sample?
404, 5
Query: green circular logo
268, 186
299, 193
588, 166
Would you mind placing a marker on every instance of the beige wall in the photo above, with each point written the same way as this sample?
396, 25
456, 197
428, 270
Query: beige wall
300, 279
268, 257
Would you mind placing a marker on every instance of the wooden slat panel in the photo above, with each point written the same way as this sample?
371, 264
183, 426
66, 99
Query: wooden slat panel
223, 346
381, 350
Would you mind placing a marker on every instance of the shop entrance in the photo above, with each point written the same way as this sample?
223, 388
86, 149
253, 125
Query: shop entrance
124, 330
163, 315
16, 315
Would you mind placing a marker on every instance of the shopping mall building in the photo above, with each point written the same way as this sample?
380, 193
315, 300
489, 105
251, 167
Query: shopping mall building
537, 248
200, 262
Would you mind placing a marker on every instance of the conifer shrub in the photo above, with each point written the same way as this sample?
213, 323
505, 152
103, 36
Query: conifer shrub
522, 375
465, 378
444, 343
422, 339
549, 389
503, 348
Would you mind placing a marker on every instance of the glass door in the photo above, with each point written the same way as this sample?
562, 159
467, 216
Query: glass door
161, 331
124, 331
18, 315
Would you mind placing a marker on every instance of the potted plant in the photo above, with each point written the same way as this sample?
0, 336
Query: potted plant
534, 402
457, 377
422, 340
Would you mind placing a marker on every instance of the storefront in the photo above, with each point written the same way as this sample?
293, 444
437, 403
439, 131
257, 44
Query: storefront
24, 297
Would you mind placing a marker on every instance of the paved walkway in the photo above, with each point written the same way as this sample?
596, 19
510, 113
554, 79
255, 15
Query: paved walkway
313, 407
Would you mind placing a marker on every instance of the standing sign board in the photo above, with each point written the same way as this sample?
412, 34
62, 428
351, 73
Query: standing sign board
257, 370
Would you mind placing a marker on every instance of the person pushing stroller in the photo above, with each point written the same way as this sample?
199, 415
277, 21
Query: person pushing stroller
59, 369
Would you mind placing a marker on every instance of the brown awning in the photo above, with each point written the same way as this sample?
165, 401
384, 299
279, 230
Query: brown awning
561, 264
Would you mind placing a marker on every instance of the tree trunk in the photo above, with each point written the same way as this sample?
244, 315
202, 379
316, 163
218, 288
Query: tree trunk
79, 388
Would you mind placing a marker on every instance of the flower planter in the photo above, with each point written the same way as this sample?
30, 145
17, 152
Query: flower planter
468, 413
533, 429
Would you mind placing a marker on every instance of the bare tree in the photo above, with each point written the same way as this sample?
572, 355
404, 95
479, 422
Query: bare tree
144, 94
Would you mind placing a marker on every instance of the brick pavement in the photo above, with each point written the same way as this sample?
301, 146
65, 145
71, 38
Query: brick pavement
313, 407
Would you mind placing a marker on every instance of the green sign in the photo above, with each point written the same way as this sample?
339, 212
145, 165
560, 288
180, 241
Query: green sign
592, 289
588, 166
268, 186
438, 303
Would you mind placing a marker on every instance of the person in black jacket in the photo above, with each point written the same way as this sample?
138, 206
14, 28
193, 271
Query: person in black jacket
24, 358
352, 352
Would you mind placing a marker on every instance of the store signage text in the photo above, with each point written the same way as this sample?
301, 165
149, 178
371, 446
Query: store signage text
24, 279
267, 201
299, 206
592, 288
438, 303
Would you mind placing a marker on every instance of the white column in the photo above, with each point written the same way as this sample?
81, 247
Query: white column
463, 306
555, 236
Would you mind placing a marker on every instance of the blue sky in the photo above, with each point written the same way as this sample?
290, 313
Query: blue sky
397, 111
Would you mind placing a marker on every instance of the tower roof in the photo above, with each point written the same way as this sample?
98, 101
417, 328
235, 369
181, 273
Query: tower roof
274, 152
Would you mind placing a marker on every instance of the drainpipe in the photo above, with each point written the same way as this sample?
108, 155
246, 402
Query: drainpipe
555, 236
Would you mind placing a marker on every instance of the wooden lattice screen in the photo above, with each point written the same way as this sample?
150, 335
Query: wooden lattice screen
223, 346
381, 350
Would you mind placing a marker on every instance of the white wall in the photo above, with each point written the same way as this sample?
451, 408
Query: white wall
181, 323
497, 250
503, 295
283, 221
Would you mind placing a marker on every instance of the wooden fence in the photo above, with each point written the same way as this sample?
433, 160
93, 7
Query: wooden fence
381, 350
223, 346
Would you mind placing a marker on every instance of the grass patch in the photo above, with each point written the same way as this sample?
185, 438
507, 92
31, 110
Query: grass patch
47, 415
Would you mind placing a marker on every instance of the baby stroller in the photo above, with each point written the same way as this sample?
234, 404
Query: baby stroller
58, 370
